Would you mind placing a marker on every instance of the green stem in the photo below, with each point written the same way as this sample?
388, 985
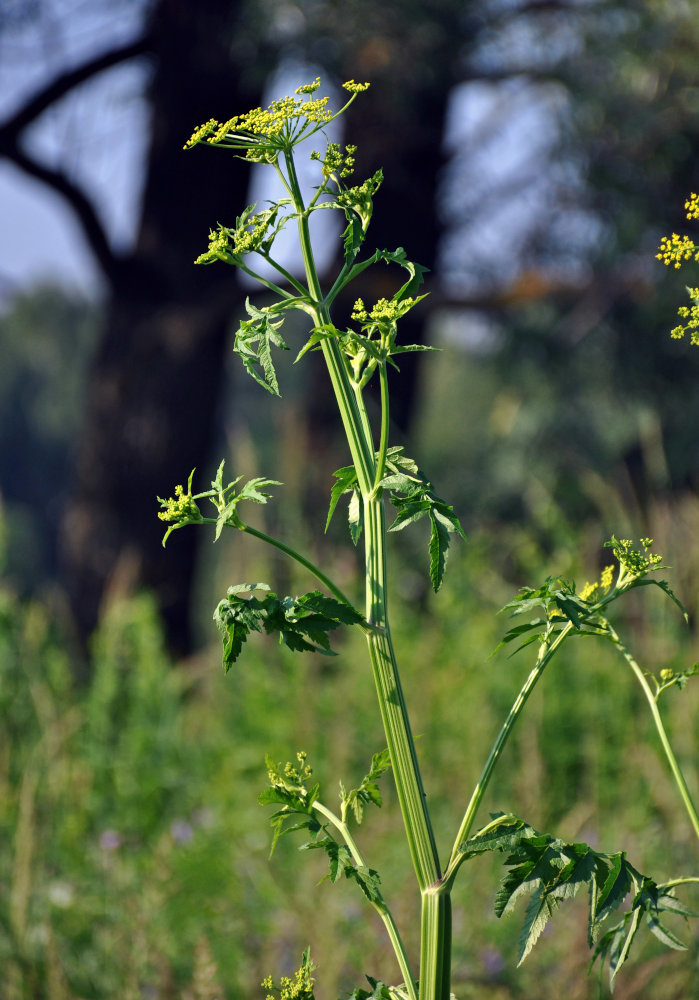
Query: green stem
669, 753
263, 281
394, 713
306, 563
362, 451
283, 271
679, 881
385, 411
434, 982
363, 415
287, 550
546, 652
380, 906
435, 944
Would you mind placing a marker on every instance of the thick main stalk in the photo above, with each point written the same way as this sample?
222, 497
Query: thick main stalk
436, 921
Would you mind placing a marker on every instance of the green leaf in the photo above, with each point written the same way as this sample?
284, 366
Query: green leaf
649, 581
540, 908
318, 335
346, 482
439, 546
368, 790
355, 516
253, 343
664, 935
368, 880
302, 622
416, 271
353, 237
408, 512
339, 857
553, 870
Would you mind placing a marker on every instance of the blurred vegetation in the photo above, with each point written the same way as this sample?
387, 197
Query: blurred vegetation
47, 339
134, 858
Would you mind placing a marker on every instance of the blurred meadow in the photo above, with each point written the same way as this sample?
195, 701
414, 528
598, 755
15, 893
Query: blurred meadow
134, 858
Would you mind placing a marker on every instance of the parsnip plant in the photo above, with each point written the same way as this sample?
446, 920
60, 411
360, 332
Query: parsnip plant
381, 477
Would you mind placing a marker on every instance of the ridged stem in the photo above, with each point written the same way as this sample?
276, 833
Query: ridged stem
435, 945
546, 651
436, 920
380, 906
657, 719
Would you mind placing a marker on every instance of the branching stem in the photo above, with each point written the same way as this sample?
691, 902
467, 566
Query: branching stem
657, 719
380, 906
547, 649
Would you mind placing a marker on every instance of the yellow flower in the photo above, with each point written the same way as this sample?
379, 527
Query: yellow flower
692, 206
355, 88
181, 507
676, 249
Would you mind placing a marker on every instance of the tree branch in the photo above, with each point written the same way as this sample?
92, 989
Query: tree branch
82, 206
64, 83
10, 145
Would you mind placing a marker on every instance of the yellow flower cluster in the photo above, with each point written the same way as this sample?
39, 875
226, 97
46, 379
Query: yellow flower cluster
269, 122
296, 987
246, 238
589, 591
181, 507
218, 247
335, 161
691, 315
291, 775
308, 88
385, 313
355, 88
691, 206
676, 249
632, 560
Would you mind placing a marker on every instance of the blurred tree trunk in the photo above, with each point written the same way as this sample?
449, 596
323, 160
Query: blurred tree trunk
156, 377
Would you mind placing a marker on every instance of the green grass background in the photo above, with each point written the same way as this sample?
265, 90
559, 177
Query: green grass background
134, 859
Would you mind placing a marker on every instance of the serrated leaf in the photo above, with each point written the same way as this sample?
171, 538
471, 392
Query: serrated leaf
416, 271
664, 935
554, 870
409, 511
368, 880
253, 345
330, 608
621, 944
541, 907
353, 237
517, 631
409, 348
649, 581
302, 622
346, 481
400, 481
318, 334
380, 763
439, 546
355, 516
501, 837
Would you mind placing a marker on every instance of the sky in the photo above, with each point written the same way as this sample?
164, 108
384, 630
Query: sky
98, 132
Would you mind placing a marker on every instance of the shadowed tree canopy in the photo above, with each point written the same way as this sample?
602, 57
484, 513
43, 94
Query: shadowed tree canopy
157, 373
